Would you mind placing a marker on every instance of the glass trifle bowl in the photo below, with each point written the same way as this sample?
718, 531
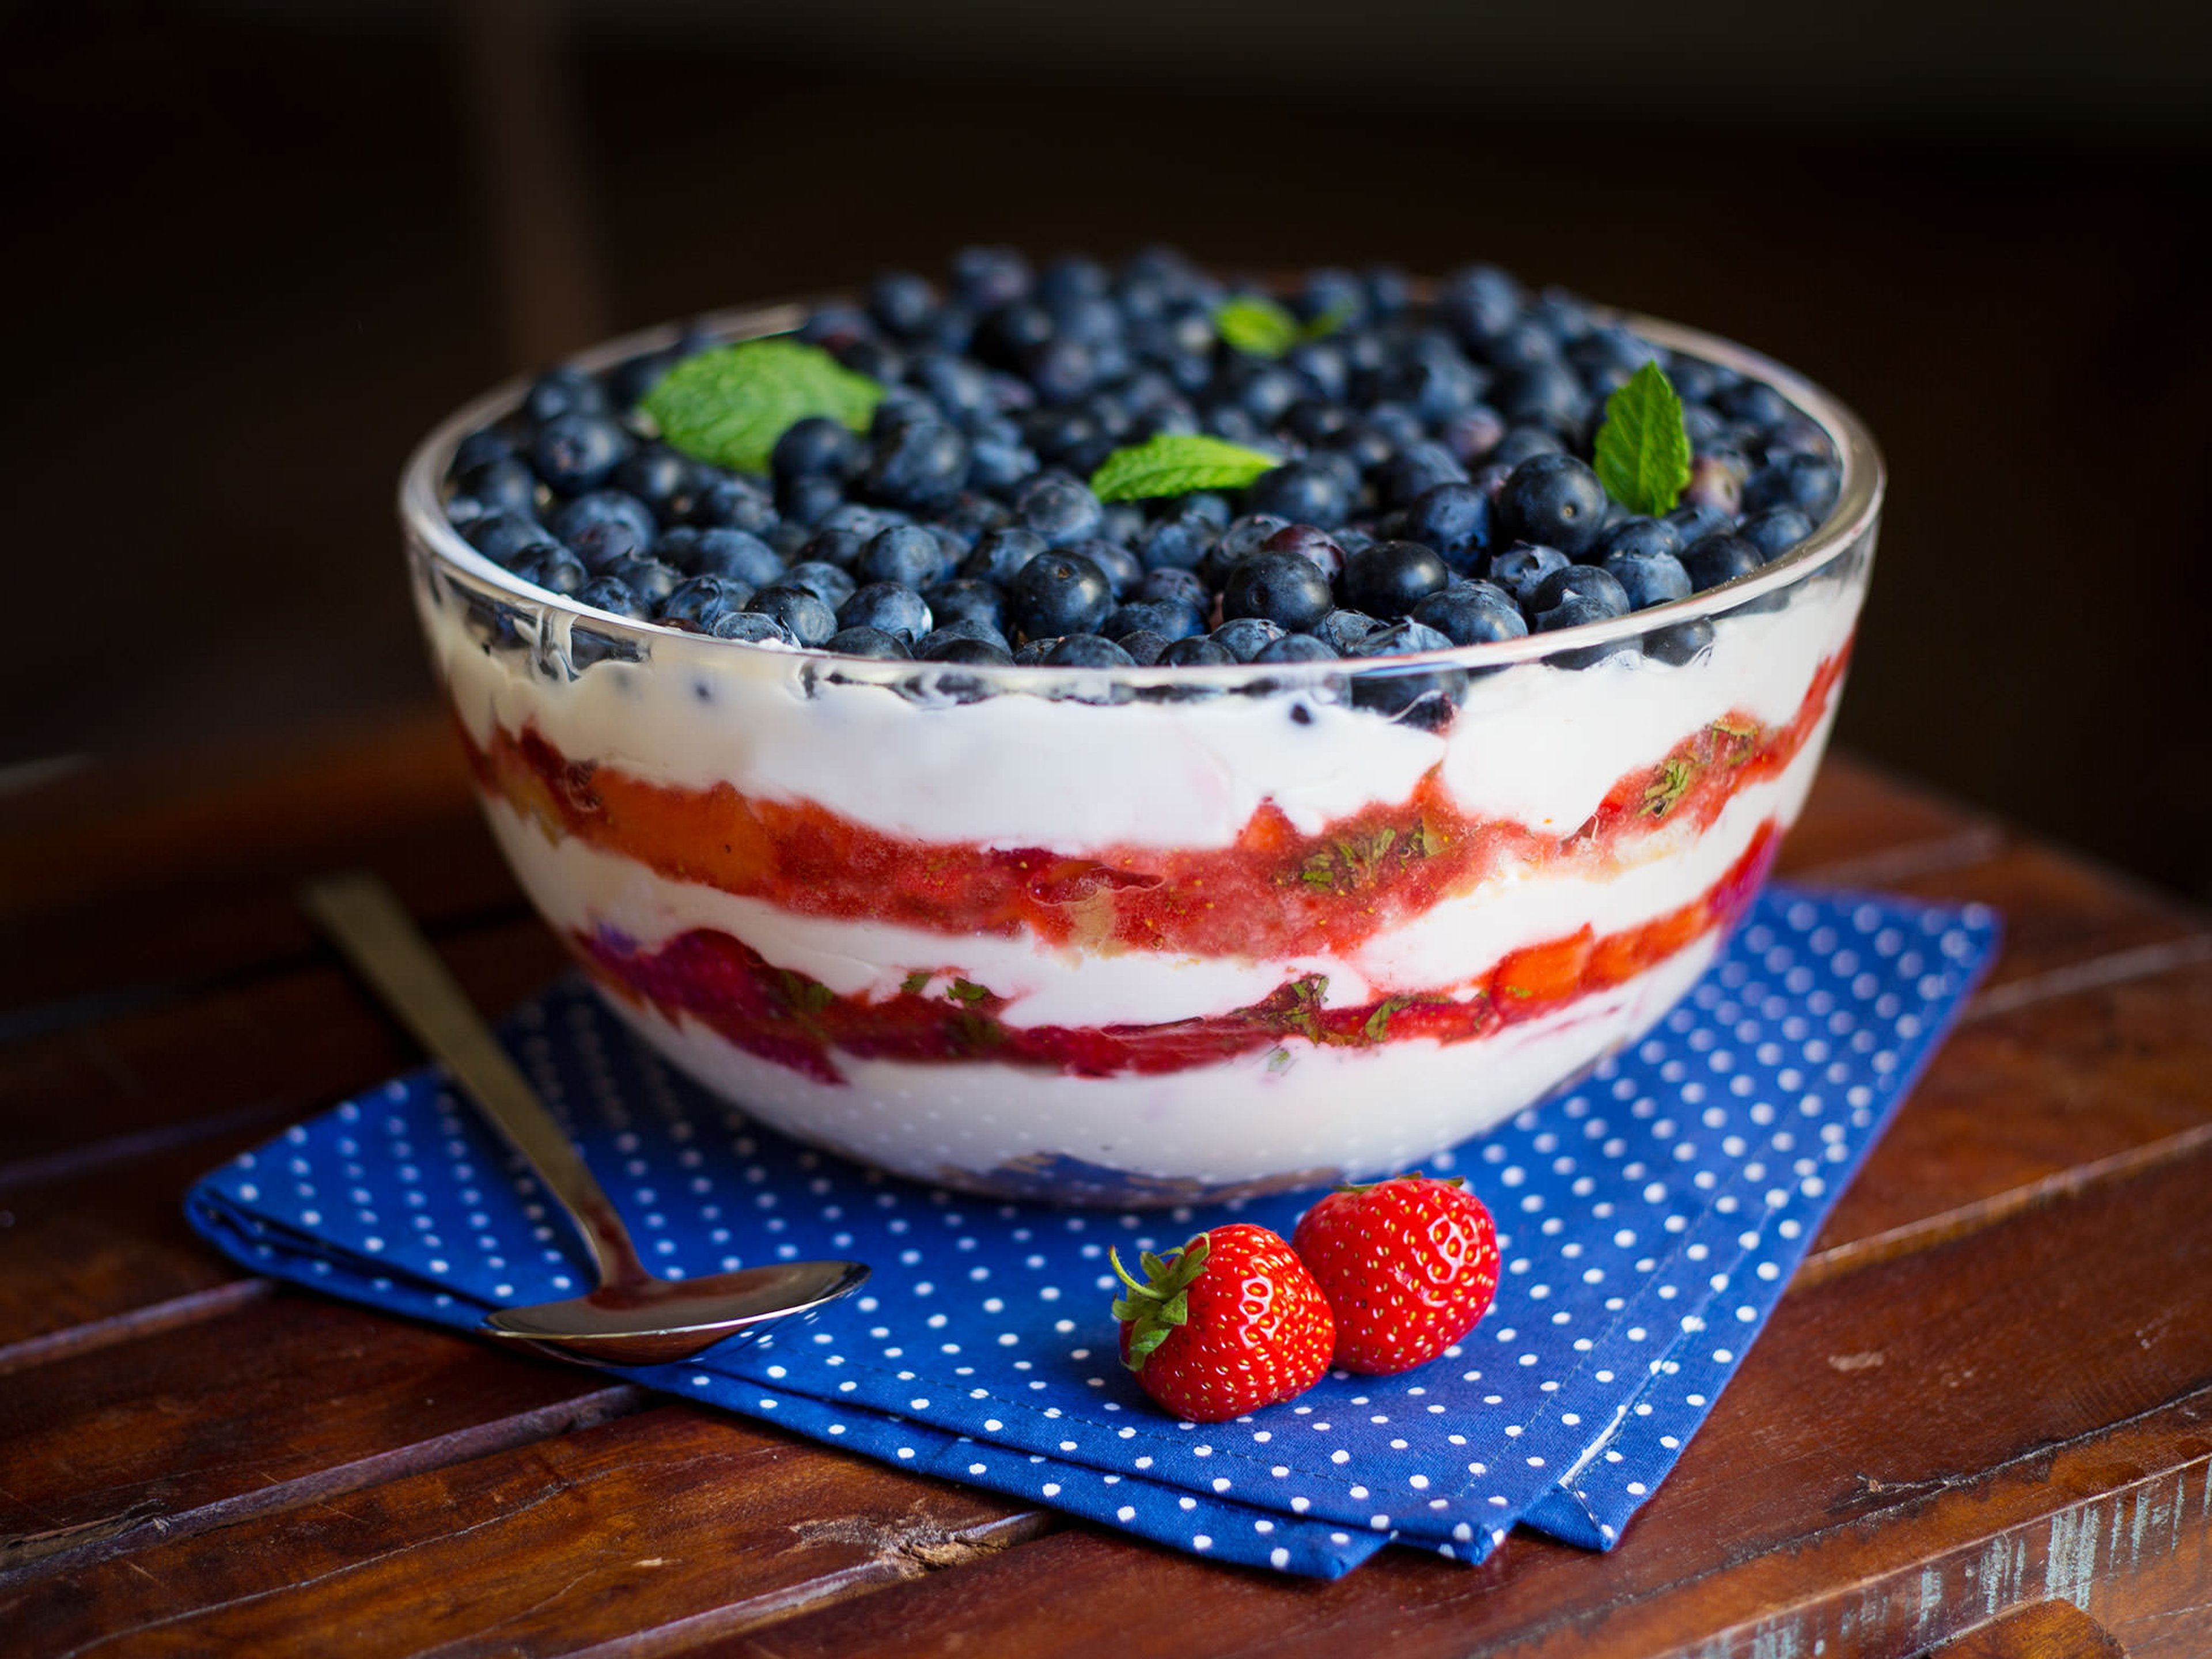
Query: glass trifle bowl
1137, 935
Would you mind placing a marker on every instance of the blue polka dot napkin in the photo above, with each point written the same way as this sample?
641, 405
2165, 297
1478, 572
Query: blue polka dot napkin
1648, 1217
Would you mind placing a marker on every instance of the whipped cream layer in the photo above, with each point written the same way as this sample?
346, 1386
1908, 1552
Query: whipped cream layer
582, 889
1532, 744
1311, 1112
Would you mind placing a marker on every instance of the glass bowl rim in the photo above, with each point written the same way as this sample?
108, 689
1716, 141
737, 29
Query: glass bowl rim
1858, 505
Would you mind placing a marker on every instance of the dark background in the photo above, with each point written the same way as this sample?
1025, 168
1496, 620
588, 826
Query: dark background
255, 251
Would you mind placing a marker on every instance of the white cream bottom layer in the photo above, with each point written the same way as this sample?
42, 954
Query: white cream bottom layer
581, 888
1292, 1110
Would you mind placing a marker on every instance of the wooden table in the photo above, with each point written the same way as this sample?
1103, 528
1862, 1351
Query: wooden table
1982, 1417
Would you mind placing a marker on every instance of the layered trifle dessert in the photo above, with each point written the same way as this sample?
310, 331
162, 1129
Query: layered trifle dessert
1119, 735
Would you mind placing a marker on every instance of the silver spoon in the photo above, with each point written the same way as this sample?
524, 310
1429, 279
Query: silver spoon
633, 1318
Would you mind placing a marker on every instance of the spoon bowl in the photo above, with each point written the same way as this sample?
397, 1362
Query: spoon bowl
659, 1322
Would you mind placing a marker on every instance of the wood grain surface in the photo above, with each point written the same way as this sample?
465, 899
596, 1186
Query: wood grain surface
1980, 1423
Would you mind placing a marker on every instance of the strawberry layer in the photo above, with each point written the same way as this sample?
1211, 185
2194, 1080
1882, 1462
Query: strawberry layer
1275, 892
793, 1020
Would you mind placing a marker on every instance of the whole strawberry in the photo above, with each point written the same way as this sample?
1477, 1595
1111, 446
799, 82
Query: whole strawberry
1231, 1322
1408, 1265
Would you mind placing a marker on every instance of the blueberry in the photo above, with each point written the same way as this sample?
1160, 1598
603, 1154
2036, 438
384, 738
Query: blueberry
657, 476
1123, 524
1059, 509
1524, 443
1301, 492
1810, 483
1031, 653
968, 599
1716, 478
651, 581
576, 452
1648, 575
1343, 630
1473, 613
1712, 560
560, 391
1544, 394
1200, 651
1176, 585
1680, 644
1059, 593
1247, 535
1453, 519
1117, 564
553, 568
612, 594
1555, 500
889, 608
1297, 647
875, 359
751, 628
1265, 394
1088, 651
697, 604
971, 517
1471, 434
1363, 444
1312, 543
1639, 535
724, 553
503, 537
1695, 522
1171, 619
479, 449
1284, 589
1522, 566
505, 485
920, 467
731, 502
1422, 697
604, 525
1478, 303
836, 326
1775, 531
803, 614
868, 642
1752, 402
1144, 647
1589, 585
1799, 434
999, 554
1573, 611
998, 459
1417, 470
826, 582
960, 388
1208, 505
1389, 290
902, 302
1178, 543
817, 446
628, 381
1436, 382
986, 278
1390, 578
806, 502
907, 554
836, 545
961, 643
1246, 637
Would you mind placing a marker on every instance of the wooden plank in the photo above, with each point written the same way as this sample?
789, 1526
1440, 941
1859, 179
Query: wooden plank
2015, 1102
1934, 1414
652, 1533
292, 1042
82, 1252
285, 1399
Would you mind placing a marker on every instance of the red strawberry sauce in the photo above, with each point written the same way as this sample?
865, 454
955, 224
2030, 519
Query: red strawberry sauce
785, 1016
1275, 893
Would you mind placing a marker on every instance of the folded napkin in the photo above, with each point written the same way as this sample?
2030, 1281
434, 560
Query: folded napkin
1648, 1217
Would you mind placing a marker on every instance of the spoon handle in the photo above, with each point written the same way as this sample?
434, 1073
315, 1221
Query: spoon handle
366, 920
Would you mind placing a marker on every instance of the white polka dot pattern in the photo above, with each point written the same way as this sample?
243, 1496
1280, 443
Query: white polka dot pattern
1648, 1219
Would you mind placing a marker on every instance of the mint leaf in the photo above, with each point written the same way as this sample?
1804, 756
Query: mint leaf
1253, 324
1176, 464
1642, 453
730, 405
1327, 323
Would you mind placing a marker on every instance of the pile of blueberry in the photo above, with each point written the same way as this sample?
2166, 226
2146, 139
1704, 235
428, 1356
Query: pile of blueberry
1435, 487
